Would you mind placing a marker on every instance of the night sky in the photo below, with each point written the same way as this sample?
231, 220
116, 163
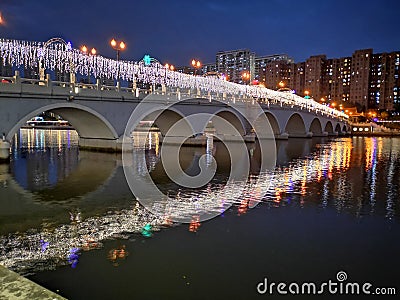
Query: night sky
177, 31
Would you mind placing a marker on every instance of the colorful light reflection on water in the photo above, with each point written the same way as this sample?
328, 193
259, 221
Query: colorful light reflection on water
356, 176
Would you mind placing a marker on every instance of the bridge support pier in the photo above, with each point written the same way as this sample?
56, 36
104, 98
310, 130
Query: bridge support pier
100, 144
308, 134
4, 151
282, 136
233, 138
199, 141
320, 134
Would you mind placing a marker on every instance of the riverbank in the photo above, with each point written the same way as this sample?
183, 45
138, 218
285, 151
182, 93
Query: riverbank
14, 286
49, 127
377, 134
373, 129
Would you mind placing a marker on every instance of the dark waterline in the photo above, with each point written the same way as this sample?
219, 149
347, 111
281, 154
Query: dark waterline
337, 209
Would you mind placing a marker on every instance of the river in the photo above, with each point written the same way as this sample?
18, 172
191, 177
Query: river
69, 221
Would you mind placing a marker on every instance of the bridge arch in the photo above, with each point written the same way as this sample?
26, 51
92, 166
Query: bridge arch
165, 119
338, 128
329, 127
86, 121
232, 118
344, 128
273, 122
295, 126
316, 126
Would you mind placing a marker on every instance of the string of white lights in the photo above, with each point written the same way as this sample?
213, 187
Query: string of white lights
66, 59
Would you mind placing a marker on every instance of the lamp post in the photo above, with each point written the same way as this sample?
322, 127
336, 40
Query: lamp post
118, 46
196, 65
85, 50
170, 68
246, 77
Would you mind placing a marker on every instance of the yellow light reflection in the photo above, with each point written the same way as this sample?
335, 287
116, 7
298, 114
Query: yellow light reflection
59, 140
157, 143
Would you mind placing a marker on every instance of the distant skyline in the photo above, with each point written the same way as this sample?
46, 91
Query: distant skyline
176, 31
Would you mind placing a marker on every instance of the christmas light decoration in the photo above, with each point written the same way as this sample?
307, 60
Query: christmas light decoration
67, 59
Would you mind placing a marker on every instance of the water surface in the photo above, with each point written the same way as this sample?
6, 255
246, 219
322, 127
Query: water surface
333, 206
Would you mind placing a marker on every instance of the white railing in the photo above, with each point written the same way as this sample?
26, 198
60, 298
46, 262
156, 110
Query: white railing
55, 56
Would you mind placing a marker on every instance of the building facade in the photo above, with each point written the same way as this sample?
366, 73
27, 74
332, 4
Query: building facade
208, 68
359, 79
314, 79
276, 72
264, 64
337, 79
371, 81
235, 63
384, 81
297, 77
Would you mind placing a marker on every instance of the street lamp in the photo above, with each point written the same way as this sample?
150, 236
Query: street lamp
118, 46
169, 67
85, 50
307, 94
246, 76
196, 65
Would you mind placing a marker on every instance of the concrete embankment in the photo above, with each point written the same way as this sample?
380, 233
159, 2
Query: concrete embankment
14, 286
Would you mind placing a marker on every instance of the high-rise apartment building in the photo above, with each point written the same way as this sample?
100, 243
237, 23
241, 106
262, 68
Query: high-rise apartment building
207, 68
337, 79
369, 80
276, 72
297, 78
263, 64
314, 79
359, 78
234, 63
384, 81
185, 70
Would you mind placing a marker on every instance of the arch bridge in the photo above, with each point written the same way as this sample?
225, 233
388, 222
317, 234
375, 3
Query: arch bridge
100, 113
